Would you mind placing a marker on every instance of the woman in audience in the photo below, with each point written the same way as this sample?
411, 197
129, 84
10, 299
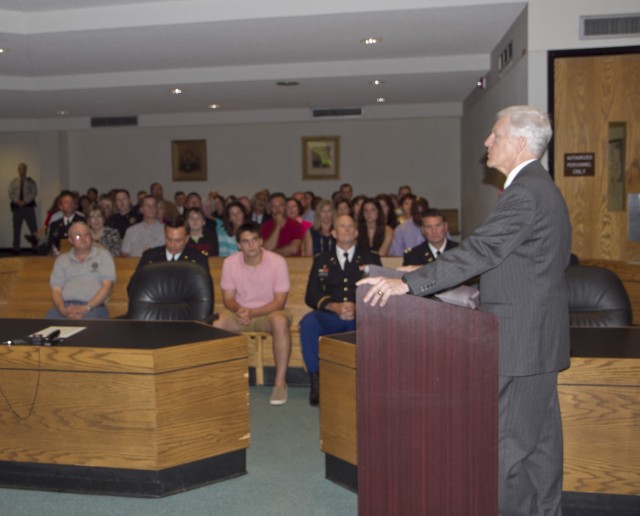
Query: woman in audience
85, 205
218, 207
387, 207
356, 205
373, 232
409, 233
342, 207
294, 211
404, 208
106, 204
102, 235
160, 211
318, 239
199, 238
233, 217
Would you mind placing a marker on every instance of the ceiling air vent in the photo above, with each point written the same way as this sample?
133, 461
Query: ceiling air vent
614, 26
336, 112
114, 121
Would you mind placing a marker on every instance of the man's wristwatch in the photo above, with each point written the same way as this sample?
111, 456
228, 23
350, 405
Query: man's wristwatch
89, 307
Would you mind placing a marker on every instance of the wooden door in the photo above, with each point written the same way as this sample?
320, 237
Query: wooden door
590, 94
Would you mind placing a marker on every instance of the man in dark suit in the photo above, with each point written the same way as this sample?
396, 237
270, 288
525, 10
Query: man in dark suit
521, 252
175, 249
59, 229
331, 292
435, 229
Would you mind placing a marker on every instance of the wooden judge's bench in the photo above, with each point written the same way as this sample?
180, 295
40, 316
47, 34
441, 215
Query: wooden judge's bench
131, 408
600, 406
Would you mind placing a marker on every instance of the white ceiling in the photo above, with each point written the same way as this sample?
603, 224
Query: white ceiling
121, 57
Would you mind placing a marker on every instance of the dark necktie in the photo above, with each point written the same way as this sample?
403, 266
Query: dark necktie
346, 260
438, 253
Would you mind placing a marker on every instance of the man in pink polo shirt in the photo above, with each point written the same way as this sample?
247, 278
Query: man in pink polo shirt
255, 285
281, 234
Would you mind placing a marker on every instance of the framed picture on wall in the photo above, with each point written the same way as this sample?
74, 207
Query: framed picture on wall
320, 157
189, 160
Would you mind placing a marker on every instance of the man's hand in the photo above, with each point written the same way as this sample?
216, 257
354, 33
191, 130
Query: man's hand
346, 311
244, 315
279, 220
383, 288
74, 311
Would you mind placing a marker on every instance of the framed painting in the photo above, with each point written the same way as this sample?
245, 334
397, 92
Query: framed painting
189, 160
320, 157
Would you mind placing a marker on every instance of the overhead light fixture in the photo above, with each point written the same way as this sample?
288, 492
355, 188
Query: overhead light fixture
214, 106
370, 41
376, 82
381, 100
482, 83
288, 83
4, 50
176, 91
62, 112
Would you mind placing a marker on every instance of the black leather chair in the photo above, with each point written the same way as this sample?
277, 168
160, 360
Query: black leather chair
171, 292
597, 297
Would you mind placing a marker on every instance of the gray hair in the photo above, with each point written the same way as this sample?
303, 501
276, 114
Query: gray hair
531, 124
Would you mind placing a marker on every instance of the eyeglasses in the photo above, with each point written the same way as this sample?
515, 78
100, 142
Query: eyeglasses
80, 235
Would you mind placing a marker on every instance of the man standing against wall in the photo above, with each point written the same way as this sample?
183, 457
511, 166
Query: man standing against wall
22, 192
521, 252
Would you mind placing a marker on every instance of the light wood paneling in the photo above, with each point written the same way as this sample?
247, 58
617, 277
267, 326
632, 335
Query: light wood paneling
338, 422
600, 406
591, 92
110, 408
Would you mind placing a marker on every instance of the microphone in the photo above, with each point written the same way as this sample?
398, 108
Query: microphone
50, 339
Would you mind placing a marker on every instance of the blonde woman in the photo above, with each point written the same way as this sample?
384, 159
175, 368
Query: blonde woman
318, 239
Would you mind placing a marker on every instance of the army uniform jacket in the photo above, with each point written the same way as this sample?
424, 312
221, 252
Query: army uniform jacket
421, 254
328, 283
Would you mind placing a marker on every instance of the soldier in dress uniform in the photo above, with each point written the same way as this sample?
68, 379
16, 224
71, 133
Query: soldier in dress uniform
331, 292
435, 230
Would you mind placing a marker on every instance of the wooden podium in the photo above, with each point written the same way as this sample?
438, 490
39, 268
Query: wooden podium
427, 408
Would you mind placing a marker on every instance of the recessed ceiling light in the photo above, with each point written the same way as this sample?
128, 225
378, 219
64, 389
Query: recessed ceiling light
288, 83
62, 112
4, 50
370, 41
376, 82
214, 106
381, 100
176, 91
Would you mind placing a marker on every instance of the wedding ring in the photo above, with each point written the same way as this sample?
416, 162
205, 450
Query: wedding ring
380, 292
